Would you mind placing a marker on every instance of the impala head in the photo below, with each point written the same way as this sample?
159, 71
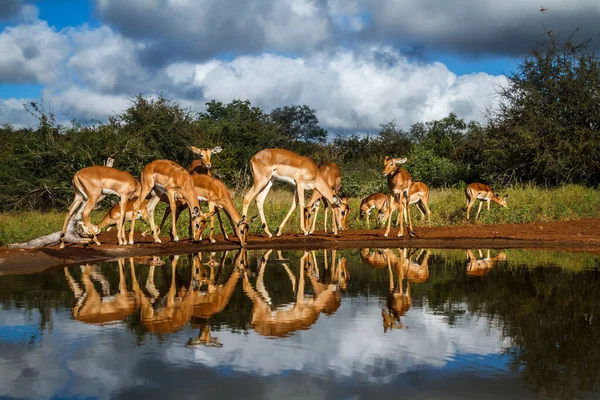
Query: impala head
242, 228
501, 200
199, 222
206, 153
390, 164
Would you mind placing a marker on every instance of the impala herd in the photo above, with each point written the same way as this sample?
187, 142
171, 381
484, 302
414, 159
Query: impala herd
167, 181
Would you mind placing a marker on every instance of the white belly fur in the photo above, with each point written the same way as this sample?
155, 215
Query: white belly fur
108, 191
283, 178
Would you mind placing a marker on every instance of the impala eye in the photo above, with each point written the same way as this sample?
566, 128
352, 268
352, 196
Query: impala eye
197, 226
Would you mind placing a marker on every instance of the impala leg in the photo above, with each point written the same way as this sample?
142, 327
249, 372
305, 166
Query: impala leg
260, 184
469, 206
289, 214
147, 184
164, 218
222, 227
389, 216
488, 205
314, 220
211, 208
151, 205
300, 192
401, 210
427, 211
87, 209
72, 210
411, 233
121, 222
325, 215
260, 204
173, 205
478, 210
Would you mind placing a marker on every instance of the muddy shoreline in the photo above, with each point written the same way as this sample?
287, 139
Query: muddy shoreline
574, 236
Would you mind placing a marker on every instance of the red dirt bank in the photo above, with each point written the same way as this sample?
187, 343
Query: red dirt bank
581, 236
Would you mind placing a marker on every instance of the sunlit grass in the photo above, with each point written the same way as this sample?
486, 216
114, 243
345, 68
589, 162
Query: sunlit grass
525, 204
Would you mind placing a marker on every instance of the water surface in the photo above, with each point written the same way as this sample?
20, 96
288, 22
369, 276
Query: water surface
319, 324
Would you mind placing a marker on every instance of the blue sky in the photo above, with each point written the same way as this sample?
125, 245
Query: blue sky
359, 63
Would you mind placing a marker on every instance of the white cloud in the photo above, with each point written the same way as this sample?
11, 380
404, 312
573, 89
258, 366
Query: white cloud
32, 53
351, 90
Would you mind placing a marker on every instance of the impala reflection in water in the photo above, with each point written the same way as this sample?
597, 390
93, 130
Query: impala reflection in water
314, 324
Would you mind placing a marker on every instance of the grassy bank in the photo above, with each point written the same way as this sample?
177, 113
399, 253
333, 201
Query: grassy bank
526, 204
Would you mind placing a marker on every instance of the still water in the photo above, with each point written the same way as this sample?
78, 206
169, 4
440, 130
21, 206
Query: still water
343, 324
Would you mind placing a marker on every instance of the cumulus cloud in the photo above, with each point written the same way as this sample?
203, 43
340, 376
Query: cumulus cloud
351, 90
31, 53
190, 32
176, 30
90, 73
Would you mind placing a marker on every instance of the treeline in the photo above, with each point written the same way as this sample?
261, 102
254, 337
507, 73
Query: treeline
546, 131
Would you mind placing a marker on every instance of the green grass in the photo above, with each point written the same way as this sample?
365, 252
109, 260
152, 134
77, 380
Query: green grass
525, 204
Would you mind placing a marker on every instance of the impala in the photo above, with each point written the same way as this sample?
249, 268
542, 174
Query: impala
377, 201
215, 298
164, 177
482, 192
398, 301
203, 165
213, 191
376, 259
91, 307
284, 321
91, 184
113, 216
418, 271
333, 177
399, 183
174, 312
482, 265
419, 195
279, 164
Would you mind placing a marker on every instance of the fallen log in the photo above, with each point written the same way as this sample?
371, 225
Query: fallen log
75, 234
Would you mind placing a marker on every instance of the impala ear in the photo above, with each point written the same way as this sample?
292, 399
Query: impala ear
316, 204
242, 220
400, 160
210, 214
194, 150
387, 158
195, 212
216, 150
252, 219
345, 199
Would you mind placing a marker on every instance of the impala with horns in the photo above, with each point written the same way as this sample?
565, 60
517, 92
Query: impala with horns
399, 183
377, 201
213, 191
165, 177
333, 177
203, 165
279, 164
91, 184
479, 191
